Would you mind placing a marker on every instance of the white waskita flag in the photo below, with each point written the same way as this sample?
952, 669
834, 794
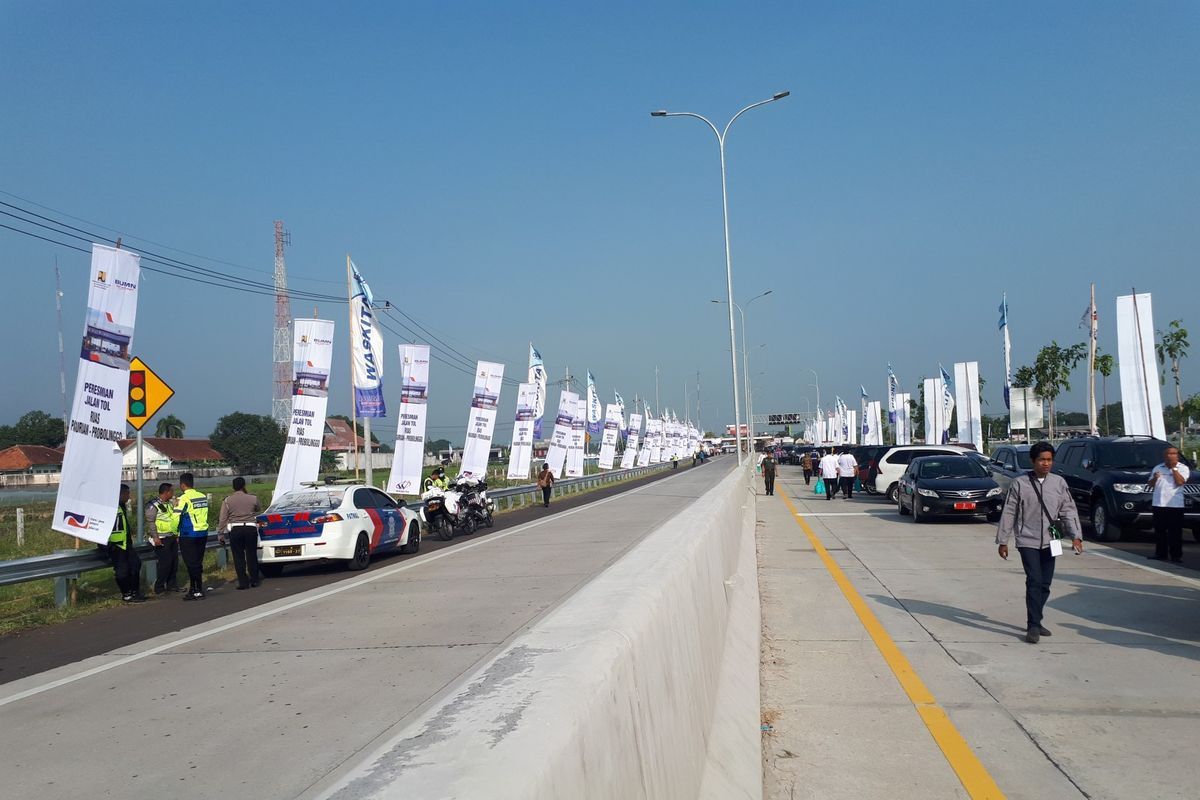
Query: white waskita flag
366, 352
311, 361
577, 440
970, 417
630, 457
521, 454
86, 505
594, 411
851, 426
537, 376
903, 419
612, 429
409, 455
947, 403
556, 456
481, 421
933, 410
873, 433
1141, 399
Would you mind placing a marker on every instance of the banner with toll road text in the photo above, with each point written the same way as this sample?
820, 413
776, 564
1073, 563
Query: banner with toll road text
577, 440
556, 455
521, 453
312, 359
1141, 396
612, 429
366, 352
86, 505
630, 456
409, 455
481, 422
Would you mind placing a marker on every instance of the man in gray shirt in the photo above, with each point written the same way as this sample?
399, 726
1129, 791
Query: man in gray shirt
1036, 505
239, 522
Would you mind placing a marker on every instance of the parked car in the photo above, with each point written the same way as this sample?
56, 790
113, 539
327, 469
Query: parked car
948, 485
895, 460
1009, 462
337, 523
1108, 478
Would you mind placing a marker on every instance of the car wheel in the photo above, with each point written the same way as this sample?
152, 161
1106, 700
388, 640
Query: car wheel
271, 570
414, 539
1196, 534
362, 554
904, 512
489, 520
1102, 525
469, 526
893, 492
443, 528
916, 511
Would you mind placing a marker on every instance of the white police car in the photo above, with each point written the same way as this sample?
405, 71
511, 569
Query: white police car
334, 522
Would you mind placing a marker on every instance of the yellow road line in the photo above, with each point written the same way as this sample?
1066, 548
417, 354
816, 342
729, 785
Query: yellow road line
975, 778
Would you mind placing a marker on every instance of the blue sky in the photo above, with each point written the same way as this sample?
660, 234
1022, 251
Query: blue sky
493, 170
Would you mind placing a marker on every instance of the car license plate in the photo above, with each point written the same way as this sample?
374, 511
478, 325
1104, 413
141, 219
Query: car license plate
957, 507
288, 550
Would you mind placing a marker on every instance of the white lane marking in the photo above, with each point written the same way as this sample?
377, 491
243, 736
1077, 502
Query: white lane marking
338, 589
1130, 562
837, 514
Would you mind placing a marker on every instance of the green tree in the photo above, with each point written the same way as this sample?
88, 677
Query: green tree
917, 409
169, 427
251, 442
34, 427
1052, 370
1024, 377
436, 446
1104, 365
1173, 344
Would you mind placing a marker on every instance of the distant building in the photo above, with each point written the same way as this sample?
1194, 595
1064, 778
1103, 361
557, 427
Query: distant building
339, 436
160, 453
31, 459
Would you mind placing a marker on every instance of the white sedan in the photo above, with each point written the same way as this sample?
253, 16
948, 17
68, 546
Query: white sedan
334, 522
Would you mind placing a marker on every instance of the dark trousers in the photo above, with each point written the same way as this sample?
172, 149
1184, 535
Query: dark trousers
831, 485
167, 556
807, 476
847, 487
1039, 572
127, 568
769, 481
243, 540
1168, 532
546, 495
191, 548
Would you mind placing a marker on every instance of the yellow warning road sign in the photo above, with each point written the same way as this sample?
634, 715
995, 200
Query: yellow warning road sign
147, 393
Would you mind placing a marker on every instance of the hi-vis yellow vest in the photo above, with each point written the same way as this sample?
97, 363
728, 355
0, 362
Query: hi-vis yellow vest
193, 513
120, 531
166, 522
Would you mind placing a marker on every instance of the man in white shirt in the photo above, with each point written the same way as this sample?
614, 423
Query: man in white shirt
828, 467
1166, 481
847, 472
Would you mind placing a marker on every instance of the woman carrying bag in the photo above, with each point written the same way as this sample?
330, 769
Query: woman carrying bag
1038, 512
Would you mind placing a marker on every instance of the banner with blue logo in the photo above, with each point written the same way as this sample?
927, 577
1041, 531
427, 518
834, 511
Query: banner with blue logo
366, 351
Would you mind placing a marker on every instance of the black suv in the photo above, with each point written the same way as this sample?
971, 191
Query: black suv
1107, 477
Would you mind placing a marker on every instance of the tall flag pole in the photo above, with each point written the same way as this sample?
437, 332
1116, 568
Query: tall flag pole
366, 362
893, 388
863, 389
1007, 351
595, 413
947, 403
537, 377
1093, 426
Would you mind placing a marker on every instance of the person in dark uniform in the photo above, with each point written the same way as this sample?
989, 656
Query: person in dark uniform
768, 471
192, 510
238, 522
164, 527
127, 566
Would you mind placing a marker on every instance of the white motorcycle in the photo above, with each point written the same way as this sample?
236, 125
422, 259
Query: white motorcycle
479, 506
444, 513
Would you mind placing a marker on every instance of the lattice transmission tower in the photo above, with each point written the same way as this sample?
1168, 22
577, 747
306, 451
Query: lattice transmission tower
281, 396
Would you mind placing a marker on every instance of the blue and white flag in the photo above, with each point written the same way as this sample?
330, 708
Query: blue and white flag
366, 351
537, 377
594, 412
947, 403
865, 428
893, 388
1007, 350
619, 402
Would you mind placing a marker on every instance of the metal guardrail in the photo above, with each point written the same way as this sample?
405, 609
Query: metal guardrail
67, 565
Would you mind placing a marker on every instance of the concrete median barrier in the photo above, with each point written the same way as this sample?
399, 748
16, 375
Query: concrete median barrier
644, 684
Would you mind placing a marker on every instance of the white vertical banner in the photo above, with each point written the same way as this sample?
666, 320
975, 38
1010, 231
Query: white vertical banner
1141, 398
903, 418
643, 458
630, 456
612, 429
312, 358
481, 421
86, 505
654, 429
556, 455
851, 426
873, 425
521, 453
577, 439
537, 376
970, 416
409, 455
933, 410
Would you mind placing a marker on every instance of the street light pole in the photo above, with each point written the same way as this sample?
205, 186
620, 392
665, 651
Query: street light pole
746, 368
816, 386
728, 257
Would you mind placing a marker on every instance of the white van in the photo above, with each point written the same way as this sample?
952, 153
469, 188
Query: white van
891, 465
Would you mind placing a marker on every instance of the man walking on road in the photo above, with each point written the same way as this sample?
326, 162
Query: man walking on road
847, 473
192, 509
238, 521
164, 527
768, 472
806, 464
828, 467
1038, 512
545, 482
1166, 481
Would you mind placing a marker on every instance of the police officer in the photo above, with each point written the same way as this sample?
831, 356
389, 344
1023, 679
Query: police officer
127, 566
439, 479
192, 511
164, 524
